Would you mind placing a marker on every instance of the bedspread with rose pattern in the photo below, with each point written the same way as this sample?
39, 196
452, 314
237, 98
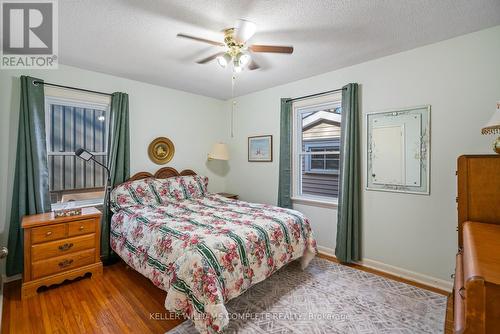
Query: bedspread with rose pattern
205, 251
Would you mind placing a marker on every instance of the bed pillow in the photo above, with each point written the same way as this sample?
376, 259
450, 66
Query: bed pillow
139, 192
184, 187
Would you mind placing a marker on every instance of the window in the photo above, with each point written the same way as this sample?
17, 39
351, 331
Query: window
316, 148
322, 163
74, 121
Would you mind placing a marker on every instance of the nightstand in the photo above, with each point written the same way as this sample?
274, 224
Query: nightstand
227, 195
57, 249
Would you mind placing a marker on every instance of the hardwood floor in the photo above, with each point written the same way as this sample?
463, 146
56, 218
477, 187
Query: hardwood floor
122, 301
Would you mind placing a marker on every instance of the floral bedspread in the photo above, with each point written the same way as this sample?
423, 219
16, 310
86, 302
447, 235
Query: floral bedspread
205, 251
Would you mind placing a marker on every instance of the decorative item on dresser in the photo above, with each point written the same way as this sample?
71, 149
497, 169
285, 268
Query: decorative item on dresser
56, 249
476, 296
228, 195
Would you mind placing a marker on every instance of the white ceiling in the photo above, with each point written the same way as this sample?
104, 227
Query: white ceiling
137, 39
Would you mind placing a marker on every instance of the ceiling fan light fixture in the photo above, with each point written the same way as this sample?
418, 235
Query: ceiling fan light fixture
223, 60
236, 52
237, 68
244, 59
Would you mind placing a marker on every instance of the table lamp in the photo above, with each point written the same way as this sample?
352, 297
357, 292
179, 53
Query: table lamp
493, 128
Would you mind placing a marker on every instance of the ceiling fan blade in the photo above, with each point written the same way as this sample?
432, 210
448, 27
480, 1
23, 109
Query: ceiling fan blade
199, 39
244, 30
271, 48
253, 65
212, 57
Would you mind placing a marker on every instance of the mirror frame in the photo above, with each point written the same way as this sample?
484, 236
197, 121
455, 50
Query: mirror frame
425, 150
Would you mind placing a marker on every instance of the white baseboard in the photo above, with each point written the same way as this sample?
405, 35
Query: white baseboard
399, 272
326, 250
409, 275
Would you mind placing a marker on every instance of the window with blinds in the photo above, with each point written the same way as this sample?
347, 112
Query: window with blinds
71, 124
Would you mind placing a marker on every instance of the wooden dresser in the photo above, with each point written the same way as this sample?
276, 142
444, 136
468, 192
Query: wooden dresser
56, 249
476, 298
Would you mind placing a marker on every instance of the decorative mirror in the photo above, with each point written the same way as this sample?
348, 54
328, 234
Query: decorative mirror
161, 150
398, 150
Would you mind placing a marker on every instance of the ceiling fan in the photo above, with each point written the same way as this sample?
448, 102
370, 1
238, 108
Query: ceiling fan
237, 53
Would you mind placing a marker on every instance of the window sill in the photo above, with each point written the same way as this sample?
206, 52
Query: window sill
79, 204
332, 204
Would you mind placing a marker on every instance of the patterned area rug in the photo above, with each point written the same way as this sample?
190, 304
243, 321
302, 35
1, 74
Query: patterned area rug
332, 298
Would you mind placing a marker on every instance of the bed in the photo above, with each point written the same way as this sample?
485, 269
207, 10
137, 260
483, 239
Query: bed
202, 248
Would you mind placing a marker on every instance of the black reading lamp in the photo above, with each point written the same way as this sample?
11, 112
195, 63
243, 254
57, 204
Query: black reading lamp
86, 155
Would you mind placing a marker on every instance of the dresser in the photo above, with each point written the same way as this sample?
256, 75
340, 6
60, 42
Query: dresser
476, 295
57, 249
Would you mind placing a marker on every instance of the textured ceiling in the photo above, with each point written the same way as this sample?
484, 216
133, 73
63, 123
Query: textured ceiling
137, 39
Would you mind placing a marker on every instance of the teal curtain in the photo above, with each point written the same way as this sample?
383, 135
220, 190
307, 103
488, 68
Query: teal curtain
31, 177
285, 163
349, 202
118, 162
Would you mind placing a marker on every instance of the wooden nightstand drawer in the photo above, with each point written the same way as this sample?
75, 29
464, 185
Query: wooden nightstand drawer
62, 263
81, 227
48, 233
62, 247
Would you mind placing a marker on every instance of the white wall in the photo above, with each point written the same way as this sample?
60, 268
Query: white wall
459, 78
192, 122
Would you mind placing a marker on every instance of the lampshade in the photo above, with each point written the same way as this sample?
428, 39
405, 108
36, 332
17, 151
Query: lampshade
219, 152
493, 126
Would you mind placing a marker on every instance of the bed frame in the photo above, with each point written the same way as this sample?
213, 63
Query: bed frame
162, 173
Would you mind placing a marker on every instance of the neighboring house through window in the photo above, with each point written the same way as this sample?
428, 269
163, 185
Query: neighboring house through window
75, 120
316, 148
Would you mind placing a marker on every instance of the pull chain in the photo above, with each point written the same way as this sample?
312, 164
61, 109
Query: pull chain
233, 104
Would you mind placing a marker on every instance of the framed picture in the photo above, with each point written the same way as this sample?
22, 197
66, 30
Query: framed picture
260, 148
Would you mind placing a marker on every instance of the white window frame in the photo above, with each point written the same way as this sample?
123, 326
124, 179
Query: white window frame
330, 101
77, 99
49, 100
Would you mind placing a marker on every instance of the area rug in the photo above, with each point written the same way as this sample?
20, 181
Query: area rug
331, 298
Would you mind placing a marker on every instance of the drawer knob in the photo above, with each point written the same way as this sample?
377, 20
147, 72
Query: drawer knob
48, 234
81, 227
65, 263
65, 247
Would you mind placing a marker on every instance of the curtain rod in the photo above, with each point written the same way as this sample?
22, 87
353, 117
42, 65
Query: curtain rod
314, 95
36, 83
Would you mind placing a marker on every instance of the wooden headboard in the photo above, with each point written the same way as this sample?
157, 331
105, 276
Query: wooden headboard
162, 173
